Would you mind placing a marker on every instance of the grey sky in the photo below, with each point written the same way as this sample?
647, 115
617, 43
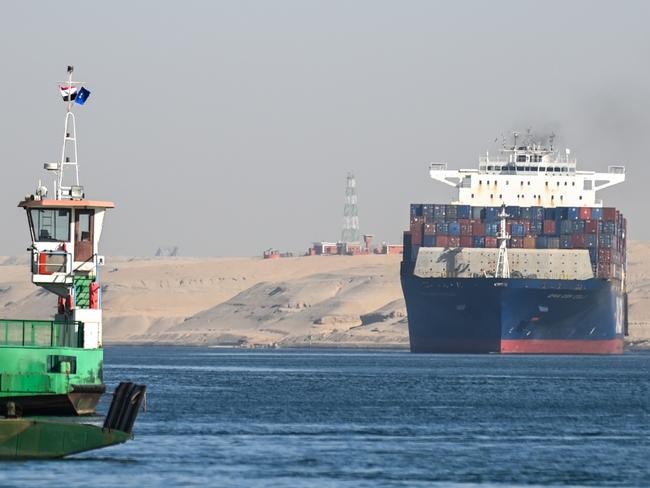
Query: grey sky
228, 127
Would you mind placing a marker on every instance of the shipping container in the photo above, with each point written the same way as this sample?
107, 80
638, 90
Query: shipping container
566, 227
578, 241
529, 242
537, 213
553, 242
518, 230
416, 210
597, 213
439, 213
454, 241
578, 226
466, 241
478, 213
585, 213
514, 212
566, 242
465, 229
492, 214
573, 213
525, 213
550, 214
609, 214
591, 240
478, 229
591, 226
442, 241
442, 229
517, 242
478, 241
464, 212
549, 227
492, 229
454, 228
429, 240
541, 242
490, 241
451, 212
429, 229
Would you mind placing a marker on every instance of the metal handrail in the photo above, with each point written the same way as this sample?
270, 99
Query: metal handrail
24, 333
66, 265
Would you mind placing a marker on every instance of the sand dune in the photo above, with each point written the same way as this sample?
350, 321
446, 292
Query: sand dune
338, 300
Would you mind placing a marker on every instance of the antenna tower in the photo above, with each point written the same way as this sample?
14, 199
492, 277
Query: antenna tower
503, 268
350, 231
69, 149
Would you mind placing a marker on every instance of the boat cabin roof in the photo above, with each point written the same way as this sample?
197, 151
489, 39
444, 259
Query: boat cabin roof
65, 204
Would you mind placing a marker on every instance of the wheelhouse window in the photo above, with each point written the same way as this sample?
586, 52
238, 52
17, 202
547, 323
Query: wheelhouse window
50, 224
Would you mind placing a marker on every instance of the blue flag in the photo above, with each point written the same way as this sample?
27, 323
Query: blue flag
82, 96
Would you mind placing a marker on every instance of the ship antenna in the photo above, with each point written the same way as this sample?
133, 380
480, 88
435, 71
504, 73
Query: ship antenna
514, 136
551, 139
69, 149
503, 269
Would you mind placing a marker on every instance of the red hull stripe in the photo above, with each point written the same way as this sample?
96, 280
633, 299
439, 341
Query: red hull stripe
542, 346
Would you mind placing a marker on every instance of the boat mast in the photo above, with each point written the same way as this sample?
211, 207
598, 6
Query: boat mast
69, 149
503, 269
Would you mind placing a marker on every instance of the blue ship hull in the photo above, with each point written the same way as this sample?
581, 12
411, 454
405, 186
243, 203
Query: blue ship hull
486, 315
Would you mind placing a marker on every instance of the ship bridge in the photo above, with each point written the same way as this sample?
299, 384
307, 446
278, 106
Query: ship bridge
530, 175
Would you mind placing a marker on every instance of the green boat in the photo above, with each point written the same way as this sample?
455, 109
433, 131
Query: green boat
51, 438
56, 367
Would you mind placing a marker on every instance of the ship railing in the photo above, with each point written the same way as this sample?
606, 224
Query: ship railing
51, 262
41, 333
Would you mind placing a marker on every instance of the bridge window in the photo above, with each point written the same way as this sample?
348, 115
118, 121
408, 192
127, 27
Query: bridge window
50, 224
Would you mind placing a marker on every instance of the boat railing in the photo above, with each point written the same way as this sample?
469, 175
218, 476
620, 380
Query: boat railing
41, 333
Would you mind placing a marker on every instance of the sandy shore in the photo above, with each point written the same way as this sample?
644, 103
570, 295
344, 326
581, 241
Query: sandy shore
319, 301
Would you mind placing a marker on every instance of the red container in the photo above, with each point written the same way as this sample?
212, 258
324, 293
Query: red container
454, 241
578, 241
604, 255
529, 242
464, 221
591, 226
609, 213
585, 213
430, 229
465, 229
490, 241
517, 242
478, 229
442, 241
466, 241
550, 227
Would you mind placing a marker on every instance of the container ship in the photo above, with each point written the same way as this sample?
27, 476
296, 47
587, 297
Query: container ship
526, 260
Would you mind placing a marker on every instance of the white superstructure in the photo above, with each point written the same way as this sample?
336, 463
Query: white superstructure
527, 175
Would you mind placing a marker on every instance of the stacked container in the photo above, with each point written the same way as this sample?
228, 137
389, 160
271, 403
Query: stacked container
600, 230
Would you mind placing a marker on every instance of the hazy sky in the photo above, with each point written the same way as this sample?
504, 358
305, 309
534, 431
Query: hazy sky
228, 127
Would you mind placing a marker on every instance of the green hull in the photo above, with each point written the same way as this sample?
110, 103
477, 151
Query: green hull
47, 439
45, 370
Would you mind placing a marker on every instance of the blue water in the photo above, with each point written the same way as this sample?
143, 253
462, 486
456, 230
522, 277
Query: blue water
340, 418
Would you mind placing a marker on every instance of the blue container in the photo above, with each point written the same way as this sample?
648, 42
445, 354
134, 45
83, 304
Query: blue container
492, 214
578, 226
591, 240
525, 213
550, 214
452, 212
562, 213
454, 228
416, 210
553, 242
606, 241
439, 212
514, 212
566, 242
597, 213
541, 242
492, 229
464, 212
429, 240
518, 230
566, 227
609, 228
536, 228
573, 213
442, 229
427, 212
537, 213
478, 241
478, 213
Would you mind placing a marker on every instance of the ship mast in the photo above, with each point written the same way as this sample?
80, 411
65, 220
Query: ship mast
68, 161
503, 269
